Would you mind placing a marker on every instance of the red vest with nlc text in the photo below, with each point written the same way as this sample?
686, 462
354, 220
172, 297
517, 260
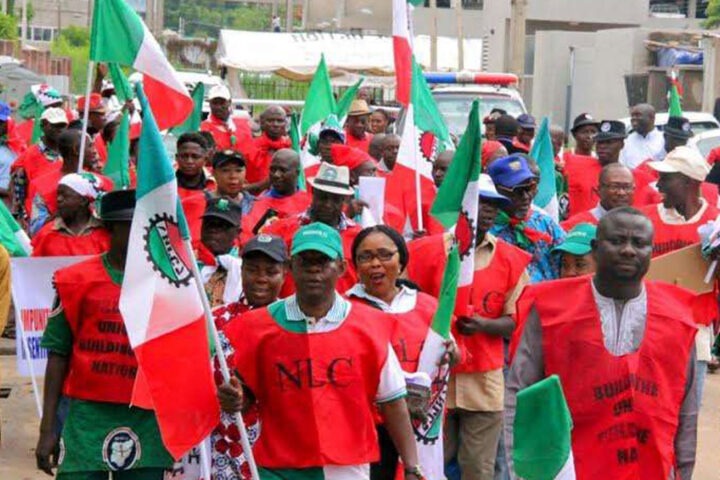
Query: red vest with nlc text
625, 409
490, 289
315, 392
410, 331
668, 238
102, 364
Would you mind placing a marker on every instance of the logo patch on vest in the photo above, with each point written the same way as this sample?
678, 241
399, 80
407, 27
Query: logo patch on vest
166, 251
121, 449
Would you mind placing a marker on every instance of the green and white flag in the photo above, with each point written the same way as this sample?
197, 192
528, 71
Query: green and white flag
542, 433
674, 96
319, 101
428, 434
119, 35
343, 104
123, 90
117, 167
542, 152
12, 237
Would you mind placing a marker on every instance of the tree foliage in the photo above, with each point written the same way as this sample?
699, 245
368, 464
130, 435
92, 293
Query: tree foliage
713, 14
74, 42
205, 18
8, 27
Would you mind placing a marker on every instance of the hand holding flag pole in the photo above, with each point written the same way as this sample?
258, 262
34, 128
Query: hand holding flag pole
237, 417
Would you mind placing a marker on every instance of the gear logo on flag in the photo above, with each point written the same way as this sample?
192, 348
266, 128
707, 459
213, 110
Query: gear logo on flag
166, 251
465, 234
429, 431
428, 146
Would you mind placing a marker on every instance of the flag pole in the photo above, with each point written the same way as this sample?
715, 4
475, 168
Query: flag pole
239, 422
418, 192
86, 115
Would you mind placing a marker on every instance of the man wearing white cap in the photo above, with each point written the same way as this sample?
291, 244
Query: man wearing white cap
331, 191
228, 132
39, 158
677, 218
676, 221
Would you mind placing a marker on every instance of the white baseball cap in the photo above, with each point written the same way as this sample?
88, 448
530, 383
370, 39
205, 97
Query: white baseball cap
54, 115
219, 91
685, 160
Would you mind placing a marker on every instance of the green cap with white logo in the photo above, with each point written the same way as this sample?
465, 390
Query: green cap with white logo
578, 240
318, 237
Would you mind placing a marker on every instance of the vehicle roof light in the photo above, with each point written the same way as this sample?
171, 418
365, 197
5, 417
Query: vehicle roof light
484, 78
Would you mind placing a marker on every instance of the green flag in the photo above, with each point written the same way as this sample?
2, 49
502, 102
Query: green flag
674, 106
319, 102
117, 167
541, 432
343, 105
12, 237
453, 195
123, 90
37, 131
542, 152
448, 293
295, 143
192, 124
425, 111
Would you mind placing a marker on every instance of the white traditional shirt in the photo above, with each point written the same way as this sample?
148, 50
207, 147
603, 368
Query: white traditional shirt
637, 148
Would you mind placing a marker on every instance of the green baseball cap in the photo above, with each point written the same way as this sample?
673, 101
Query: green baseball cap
577, 241
318, 237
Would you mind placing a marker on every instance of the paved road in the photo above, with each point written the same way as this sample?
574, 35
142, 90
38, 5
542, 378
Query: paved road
20, 425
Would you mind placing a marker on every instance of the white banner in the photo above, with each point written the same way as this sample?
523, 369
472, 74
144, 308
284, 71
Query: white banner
33, 295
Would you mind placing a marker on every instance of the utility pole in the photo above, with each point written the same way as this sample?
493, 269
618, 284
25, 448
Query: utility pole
460, 36
433, 36
518, 16
24, 24
289, 17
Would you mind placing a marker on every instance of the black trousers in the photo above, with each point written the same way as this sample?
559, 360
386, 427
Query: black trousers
387, 466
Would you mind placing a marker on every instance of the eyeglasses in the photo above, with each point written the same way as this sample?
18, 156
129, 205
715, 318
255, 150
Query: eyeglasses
382, 255
520, 190
618, 187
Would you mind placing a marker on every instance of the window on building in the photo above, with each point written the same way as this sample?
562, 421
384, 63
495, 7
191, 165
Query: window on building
39, 34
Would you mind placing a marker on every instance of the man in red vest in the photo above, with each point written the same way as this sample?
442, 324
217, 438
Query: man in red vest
583, 172
475, 391
39, 157
273, 123
228, 131
282, 200
683, 209
390, 150
623, 350
616, 187
356, 125
192, 180
331, 191
314, 359
90, 361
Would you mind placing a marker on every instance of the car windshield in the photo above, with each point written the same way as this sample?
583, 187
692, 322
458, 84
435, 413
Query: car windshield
455, 108
707, 144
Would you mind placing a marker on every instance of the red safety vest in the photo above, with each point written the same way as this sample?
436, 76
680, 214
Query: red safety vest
361, 143
668, 238
625, 408
241, 140
50, 242
410, 331
315, 392
285, 207
102, 364
34, 162
490, 289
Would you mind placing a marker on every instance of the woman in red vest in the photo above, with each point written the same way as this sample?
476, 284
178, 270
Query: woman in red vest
380, 256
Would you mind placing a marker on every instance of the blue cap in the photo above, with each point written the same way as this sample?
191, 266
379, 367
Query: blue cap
487, 190
526, 121
5, 112
510, 171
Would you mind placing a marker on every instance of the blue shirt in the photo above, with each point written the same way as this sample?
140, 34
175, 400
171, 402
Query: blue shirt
544, 265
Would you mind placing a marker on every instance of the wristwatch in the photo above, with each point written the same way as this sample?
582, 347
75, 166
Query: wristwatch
415, 470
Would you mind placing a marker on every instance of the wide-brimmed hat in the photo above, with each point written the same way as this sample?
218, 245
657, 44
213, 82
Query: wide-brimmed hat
332, 179
610, 130
117, 206
685, 160
358, 108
